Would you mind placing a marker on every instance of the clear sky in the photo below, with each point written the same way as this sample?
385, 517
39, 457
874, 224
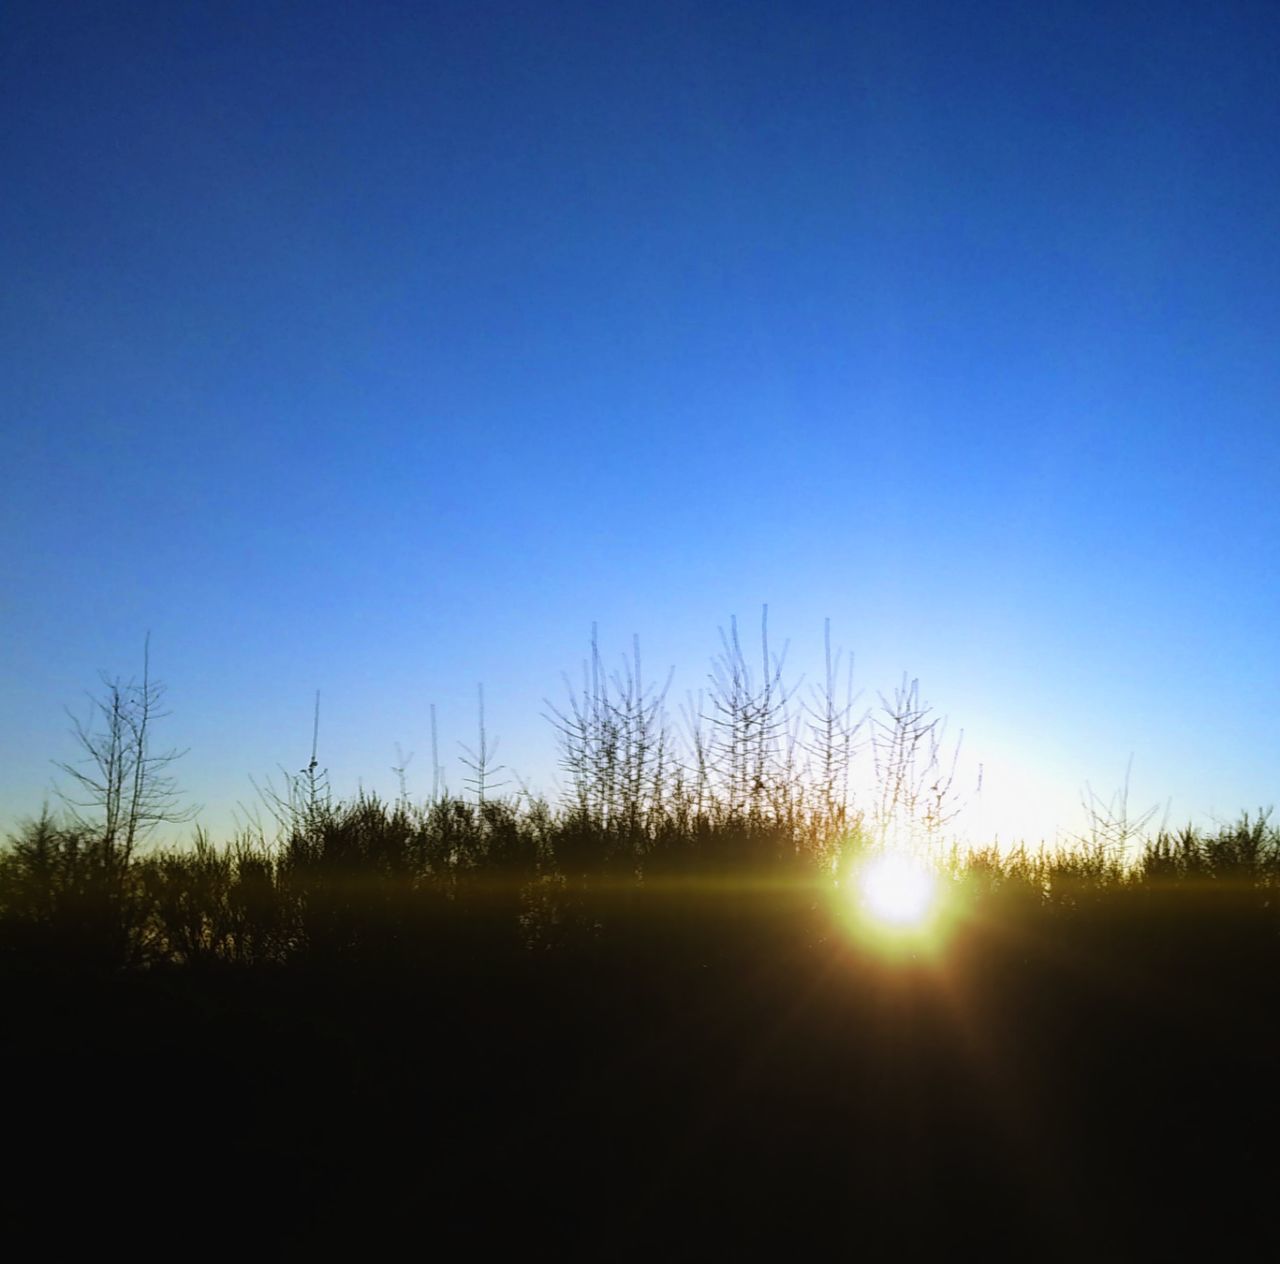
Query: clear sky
381, 348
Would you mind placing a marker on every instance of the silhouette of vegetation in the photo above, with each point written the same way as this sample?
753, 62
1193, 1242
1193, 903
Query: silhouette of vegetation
647, 1022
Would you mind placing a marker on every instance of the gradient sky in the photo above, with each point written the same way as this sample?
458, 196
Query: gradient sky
381, 348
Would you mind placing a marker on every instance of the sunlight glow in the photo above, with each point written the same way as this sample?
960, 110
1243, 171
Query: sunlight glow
896, 891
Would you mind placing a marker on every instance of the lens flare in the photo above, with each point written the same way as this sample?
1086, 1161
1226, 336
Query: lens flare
896, 891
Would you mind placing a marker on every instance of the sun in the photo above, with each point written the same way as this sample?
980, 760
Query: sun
895, 891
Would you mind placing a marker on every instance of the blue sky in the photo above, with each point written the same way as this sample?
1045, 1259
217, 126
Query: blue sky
383, 348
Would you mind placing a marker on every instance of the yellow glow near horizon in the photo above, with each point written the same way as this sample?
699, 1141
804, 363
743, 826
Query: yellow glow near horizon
897, 892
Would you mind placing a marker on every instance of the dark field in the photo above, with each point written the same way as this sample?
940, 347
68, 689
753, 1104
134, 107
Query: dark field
500, 1027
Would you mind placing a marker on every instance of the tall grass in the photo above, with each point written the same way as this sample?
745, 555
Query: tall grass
371, 878
572, 1027
753, 787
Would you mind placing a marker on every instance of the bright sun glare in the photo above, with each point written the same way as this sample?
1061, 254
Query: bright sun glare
896, 891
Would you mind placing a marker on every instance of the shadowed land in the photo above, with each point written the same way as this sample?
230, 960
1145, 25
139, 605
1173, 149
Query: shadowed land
576, 1038
706, 1008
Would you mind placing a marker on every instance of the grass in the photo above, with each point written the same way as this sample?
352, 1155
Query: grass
366, 877
638, 1025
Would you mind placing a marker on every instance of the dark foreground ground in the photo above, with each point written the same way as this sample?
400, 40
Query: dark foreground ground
730, 1081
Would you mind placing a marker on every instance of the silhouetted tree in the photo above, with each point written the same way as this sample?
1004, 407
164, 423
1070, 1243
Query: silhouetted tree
123, 789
